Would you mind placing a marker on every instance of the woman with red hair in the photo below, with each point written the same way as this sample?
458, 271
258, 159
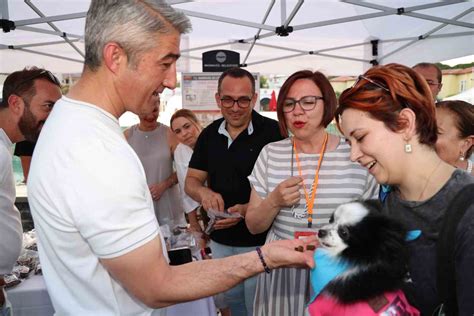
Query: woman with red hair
389, 119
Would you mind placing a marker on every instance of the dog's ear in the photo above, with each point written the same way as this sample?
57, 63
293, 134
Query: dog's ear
373, 205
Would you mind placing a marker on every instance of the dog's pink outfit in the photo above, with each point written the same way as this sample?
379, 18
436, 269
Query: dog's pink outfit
397, 305
326, 269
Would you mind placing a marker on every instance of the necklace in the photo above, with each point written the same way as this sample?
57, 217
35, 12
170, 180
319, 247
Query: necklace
314, 187
469, 166
428, 180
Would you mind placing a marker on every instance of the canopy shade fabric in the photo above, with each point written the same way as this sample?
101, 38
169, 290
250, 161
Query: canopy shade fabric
335, 37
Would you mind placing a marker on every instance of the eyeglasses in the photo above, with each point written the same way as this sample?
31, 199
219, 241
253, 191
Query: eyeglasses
242, 102
42, 74
375, 83
378, 85
432, 83
307, 103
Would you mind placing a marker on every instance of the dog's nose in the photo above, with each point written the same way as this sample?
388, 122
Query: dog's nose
322, 233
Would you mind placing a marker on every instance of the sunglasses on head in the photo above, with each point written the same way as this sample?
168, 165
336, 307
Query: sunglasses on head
375, 83
42, 74
378, 85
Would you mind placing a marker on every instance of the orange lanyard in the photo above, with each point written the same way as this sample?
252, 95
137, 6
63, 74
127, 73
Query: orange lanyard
310, 202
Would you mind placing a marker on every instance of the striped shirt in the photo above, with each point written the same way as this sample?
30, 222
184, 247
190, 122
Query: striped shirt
340, 181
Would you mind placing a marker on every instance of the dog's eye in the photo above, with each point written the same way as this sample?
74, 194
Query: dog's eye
343, 232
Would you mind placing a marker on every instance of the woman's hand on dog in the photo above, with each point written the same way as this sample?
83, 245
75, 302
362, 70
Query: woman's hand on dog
287, 193
282, 253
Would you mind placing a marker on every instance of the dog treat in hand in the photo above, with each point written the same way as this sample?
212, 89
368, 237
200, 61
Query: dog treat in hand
310, 247
299, 248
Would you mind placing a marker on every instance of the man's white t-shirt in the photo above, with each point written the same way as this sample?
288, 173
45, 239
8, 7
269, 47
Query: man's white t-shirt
89, 200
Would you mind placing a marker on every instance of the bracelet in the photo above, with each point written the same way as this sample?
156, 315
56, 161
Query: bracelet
260, 255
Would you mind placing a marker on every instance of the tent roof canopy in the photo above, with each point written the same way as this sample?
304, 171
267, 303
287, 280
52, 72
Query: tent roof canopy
272, 36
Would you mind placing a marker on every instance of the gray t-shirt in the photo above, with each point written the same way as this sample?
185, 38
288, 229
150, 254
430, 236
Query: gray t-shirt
428, 216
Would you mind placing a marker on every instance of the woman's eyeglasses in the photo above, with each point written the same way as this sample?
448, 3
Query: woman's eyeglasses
375, 83
307, 103
378, 85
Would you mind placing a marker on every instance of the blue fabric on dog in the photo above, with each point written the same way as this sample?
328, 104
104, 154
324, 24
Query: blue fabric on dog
327, 268
413, 234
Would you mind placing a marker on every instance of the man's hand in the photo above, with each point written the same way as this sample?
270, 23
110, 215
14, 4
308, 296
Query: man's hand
239, 208
226, 223
287, 193
211, 199
158, 189
229, 222
282, 253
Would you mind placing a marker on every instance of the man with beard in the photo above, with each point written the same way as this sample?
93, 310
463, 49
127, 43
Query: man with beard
28, 97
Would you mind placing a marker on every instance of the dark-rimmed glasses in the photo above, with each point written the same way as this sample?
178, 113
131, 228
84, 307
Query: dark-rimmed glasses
375, 83
307, 103
42, 74
242, 102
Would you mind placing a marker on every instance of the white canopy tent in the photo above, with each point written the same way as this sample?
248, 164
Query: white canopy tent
272, 36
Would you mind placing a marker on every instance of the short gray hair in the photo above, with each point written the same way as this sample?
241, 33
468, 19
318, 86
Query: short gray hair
131, 24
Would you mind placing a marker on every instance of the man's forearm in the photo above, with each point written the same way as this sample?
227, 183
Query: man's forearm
193, 188
207, 278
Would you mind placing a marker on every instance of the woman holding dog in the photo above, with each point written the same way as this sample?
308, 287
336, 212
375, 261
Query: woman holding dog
389, 119
298, 182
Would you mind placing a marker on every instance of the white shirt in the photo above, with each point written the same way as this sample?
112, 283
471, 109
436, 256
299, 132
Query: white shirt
182, 155
10, 222
89, 200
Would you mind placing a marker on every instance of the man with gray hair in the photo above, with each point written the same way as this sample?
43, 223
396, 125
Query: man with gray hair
102, 251
433, 76
28, 97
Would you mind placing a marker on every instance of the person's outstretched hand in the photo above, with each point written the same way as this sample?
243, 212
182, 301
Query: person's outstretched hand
283, 253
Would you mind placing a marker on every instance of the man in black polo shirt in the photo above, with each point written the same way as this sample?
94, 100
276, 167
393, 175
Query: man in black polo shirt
225, 154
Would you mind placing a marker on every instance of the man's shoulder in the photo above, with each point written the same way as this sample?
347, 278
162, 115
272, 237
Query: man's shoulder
213, 127
265, 124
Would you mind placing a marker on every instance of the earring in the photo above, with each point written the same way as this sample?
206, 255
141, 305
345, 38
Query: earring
461, 157
408, 148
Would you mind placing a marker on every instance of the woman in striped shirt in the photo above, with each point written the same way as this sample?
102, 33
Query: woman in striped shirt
298, 182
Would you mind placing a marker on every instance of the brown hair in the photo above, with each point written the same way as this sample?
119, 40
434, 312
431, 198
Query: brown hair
22, 83
405, 89
463, 113
320, 80
235, 73
186, 114
439, 73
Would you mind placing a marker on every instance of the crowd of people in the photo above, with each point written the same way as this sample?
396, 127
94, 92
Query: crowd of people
98, 195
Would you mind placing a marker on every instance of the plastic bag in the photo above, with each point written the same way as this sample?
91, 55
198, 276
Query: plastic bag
215, 215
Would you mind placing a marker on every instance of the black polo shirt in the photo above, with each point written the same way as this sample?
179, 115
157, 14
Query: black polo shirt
228, 169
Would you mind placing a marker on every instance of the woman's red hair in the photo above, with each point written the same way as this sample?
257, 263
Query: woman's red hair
407, 89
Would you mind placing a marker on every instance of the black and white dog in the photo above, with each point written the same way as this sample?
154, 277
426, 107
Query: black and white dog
373, 248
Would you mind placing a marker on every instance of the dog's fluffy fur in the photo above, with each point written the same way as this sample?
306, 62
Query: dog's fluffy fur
373, 245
